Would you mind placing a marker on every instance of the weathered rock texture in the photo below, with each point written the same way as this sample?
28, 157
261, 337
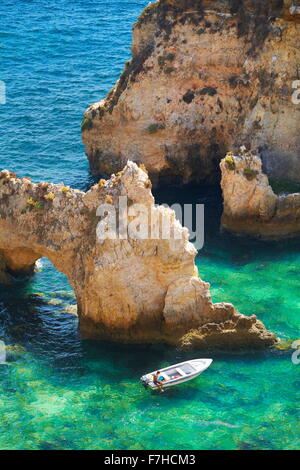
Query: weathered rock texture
250, 205
130, 290
206, 76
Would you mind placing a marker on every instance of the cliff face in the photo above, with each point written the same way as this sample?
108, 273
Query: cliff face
250, 205
206, 76
130, 289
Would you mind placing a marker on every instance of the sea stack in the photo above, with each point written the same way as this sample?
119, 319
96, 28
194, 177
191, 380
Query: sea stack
250, 205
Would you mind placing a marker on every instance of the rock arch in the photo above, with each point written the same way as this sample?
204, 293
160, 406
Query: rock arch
130, 290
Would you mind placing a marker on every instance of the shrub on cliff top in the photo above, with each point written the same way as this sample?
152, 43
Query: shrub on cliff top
49, 196
32, 203
101, 183
230, 164
65, 189
86, 125
250, 174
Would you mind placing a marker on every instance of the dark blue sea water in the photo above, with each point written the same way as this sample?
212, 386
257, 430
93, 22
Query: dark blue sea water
59, 392
57, 57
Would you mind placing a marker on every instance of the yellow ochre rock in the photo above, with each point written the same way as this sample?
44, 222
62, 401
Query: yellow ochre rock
135, 290
250, 205
205, 77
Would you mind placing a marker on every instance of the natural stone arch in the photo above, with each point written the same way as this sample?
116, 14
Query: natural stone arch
130, 290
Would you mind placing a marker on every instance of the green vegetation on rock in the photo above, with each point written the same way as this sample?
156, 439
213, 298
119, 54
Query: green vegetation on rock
250, 174
169, 70
155, 127
162, 59
86, 125
230, 164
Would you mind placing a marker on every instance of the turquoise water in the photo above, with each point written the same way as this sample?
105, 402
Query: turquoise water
59, 392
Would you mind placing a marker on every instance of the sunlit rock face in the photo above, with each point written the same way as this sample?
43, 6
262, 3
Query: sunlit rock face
134, 289
250, 205
206, 76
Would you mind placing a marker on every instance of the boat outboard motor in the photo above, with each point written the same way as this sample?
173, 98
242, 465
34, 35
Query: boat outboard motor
145, 381
2, 353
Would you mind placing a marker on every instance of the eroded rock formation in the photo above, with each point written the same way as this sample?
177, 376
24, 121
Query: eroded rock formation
130, 290
206, 76
250, 205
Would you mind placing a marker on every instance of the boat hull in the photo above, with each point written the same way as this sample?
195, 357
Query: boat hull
185, 371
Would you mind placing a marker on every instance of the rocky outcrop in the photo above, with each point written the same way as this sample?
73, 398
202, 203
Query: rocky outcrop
205, 77
250, 205
129, 288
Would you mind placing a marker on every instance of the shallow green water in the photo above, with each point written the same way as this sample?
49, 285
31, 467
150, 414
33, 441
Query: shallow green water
64, 393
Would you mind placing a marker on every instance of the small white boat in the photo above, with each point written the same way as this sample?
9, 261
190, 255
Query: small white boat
177, 374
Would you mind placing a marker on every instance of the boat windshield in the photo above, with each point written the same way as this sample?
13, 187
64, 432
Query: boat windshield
187, 369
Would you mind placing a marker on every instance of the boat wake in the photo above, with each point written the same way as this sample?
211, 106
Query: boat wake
219, 423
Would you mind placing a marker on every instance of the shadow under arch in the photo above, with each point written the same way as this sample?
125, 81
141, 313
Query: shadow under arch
34, 313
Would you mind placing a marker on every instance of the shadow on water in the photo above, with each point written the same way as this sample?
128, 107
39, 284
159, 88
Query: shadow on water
27, 319
221, 245
52, 338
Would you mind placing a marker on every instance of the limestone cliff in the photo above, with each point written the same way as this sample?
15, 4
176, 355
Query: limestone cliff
206, 76
130, 289
250, 205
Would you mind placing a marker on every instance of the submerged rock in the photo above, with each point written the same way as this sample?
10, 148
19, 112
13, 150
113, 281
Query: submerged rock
16, 349
62, 294
71, 309
250, 205
129, 287
15, 352
284, 345
55, 302
205, 76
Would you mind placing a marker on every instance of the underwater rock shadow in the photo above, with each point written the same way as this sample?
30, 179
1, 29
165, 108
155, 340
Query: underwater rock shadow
29, 320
